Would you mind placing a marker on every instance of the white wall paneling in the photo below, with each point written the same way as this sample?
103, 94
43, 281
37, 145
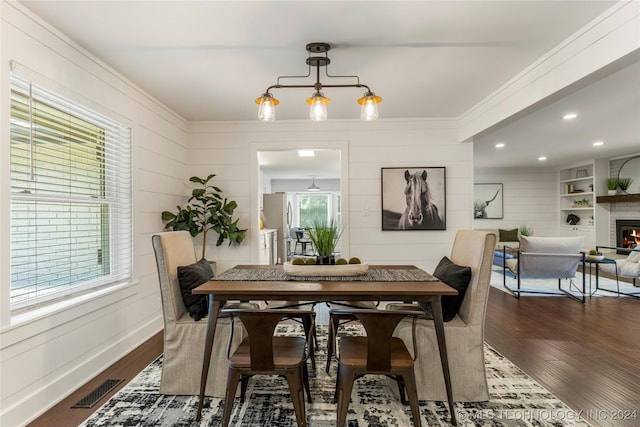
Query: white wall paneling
530, 198
366, 148
45, 358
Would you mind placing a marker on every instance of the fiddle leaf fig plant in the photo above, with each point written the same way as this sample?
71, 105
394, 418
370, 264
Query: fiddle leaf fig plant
206, 210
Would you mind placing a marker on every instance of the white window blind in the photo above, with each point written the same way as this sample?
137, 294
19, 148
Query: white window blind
70, 197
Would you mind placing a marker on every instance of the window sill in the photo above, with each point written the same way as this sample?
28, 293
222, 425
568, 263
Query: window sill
57, 313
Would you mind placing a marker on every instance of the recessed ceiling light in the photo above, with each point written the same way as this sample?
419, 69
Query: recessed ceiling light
598, 143
500, 145
306, 153
570, 116
542, 158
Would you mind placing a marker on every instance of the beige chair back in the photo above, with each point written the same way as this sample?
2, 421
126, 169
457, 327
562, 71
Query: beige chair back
474, 249
173, 249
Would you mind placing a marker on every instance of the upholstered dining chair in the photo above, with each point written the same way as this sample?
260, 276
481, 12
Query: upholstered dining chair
376, 353
464, 333
263, 353
184, 337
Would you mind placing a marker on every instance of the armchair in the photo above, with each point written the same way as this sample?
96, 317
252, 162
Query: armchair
547, 258
625, 267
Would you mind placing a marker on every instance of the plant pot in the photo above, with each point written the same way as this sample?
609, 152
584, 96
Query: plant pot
326, 260
612, 192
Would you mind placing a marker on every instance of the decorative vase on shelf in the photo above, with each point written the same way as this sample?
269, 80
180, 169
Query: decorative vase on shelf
612, 192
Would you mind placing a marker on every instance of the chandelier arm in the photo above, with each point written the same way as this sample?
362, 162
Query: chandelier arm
293, 77
313, 86
326, 71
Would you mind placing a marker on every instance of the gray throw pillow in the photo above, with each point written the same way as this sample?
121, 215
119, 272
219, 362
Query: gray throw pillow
190, 277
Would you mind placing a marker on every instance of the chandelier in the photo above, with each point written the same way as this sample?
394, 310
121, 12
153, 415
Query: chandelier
318, 102
313, 186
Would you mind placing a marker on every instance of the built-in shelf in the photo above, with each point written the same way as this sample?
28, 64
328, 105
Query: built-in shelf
619, 198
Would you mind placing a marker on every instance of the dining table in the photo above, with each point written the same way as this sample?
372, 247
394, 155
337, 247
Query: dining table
378, 283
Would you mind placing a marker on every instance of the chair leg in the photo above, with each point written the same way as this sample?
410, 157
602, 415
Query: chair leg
244, 382
306, 323
333, 324
410, 383
401, 388
344, 387
295, 380
232, 386
305, 379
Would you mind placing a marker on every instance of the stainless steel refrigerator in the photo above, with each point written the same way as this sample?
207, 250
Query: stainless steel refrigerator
276, 214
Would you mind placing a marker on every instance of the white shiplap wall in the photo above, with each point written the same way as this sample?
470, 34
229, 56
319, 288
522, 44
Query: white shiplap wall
228, 150
45, 357
530, 198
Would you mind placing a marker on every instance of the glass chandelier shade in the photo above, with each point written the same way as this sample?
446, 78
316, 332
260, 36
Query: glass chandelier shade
318, 110
267, 107
369, 102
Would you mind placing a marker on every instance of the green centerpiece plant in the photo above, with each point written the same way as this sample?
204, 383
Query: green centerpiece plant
324, 237
206, 210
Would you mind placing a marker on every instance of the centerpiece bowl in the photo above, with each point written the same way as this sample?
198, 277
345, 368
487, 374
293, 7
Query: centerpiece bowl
325, 270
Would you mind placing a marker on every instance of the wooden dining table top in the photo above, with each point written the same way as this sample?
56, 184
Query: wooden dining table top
312, 289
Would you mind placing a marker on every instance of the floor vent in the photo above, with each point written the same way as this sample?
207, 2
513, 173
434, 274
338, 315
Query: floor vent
98, 393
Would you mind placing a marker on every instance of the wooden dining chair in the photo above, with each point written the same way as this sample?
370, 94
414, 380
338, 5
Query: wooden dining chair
336, 319
263, 353
376, 353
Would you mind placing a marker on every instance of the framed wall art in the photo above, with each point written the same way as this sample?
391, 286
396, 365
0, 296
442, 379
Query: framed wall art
414, 198
488, 201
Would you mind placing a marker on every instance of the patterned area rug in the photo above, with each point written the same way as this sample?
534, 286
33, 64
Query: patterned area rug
516, 400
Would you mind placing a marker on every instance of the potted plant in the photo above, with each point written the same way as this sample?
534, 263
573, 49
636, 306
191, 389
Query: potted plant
325, 238
624, 183
612, 185
525, 230
206, 210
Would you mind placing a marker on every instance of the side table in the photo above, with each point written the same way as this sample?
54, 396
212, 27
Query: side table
597, 263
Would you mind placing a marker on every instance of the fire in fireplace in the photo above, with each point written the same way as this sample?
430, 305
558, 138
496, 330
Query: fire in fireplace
627, 233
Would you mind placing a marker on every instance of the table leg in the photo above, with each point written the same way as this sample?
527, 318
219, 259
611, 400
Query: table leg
212, 320
436, 306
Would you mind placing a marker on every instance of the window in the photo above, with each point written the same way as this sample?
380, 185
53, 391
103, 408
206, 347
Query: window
70, 197
316, 207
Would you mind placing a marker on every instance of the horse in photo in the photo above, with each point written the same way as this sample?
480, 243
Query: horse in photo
421, 213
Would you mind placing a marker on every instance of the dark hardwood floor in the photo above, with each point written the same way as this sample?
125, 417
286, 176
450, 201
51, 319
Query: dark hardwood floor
63, 415
588, 355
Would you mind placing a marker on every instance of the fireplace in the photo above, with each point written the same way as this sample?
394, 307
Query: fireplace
627, 234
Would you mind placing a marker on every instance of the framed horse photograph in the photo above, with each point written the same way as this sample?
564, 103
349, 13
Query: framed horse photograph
414, 198
488, 201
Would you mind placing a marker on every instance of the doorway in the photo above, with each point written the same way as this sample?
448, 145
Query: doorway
281, 168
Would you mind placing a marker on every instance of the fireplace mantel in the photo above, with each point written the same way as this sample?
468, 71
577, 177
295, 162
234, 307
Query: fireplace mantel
619, 198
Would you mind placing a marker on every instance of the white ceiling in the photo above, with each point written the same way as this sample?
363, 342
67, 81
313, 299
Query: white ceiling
209, 60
